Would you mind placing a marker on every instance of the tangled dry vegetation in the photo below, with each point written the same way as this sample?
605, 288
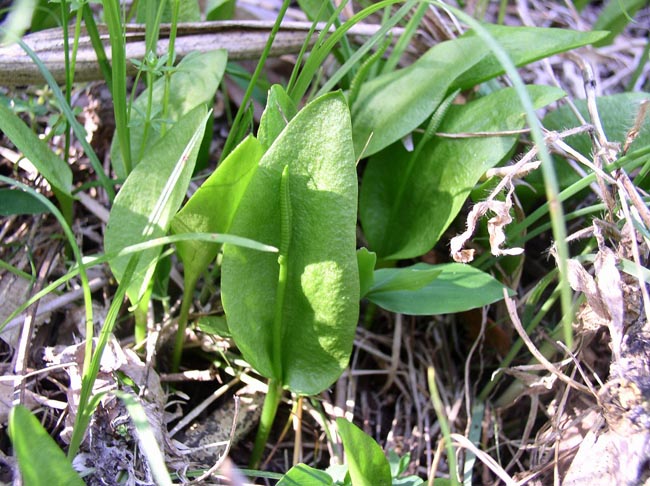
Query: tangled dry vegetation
581, 416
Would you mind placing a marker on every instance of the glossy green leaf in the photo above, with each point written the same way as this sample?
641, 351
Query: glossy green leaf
193, 83
150, 197
524, 45
407, 203
405, 279
393, 105
280, 109
616, 15
304, 475
52, 168
366, 261
457, 288
41, 461
366, 461
302, 199
212, 207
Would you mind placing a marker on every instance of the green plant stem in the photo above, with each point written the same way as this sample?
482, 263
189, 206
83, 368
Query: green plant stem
86, 405
170, 61
230, 141
140, 315
118, 75
405, 39
317, 56
95, 40
444, 425
269, 409
188, 291
69, 73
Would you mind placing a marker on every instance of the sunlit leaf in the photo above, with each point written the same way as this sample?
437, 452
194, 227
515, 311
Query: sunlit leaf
150, 197
302, 199
367, 463
41, 461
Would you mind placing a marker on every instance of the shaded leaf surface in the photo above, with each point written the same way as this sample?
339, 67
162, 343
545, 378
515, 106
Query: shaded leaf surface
457, 288
320, 310
524, 45
617, 114
406, 204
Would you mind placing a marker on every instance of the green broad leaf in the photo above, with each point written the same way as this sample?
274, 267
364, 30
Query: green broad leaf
303, 200
407, 279
304, 475
14, 201
366, 261
312, 8
52, 168
393, 105
407, 203
41, 461
457, 288
280, 109
194, 82
151, 196
367, 463
212, 207
615, 17
524, 45
617, 114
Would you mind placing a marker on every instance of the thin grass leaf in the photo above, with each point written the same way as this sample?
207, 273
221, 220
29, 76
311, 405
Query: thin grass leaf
118, 77
146, 439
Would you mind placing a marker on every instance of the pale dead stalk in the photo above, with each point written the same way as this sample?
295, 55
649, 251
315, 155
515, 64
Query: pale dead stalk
514, 317
485, 458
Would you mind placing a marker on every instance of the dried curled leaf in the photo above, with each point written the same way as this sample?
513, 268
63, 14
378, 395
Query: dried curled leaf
496, 225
